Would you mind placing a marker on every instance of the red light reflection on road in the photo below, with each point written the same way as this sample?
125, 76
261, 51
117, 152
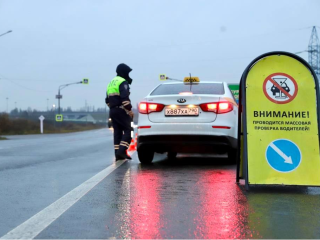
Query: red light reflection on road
145, 205
222, 211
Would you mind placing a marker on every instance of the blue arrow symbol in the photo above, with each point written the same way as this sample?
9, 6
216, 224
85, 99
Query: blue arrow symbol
281, 154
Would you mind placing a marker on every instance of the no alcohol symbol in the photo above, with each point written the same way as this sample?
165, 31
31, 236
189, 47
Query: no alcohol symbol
280, 88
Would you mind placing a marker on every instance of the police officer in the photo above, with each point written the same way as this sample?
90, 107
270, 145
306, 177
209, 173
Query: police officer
121, 114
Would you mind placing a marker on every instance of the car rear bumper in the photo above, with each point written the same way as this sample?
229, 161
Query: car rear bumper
189, 129
187, 143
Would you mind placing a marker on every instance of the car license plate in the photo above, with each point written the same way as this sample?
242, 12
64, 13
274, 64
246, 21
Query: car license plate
182, 112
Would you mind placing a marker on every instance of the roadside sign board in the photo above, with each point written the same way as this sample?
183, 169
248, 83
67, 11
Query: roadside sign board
162, 77
59, 96
41, 118
85, 81
59, 117
235, 91
280, 120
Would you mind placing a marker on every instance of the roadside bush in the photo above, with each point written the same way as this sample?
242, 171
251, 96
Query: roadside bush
4, 122
23, 126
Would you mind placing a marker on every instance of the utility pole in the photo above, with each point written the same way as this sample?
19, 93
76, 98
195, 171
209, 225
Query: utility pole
86, 112
314, 51
7, 104
54, 112
1, 36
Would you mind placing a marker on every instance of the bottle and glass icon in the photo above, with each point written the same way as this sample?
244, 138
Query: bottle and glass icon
278, 93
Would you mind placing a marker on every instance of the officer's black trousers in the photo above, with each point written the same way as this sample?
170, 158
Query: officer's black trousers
121, 122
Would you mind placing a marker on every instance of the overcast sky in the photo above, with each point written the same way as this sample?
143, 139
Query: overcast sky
61, 41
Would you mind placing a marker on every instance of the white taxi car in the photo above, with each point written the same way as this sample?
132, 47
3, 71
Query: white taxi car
179, 117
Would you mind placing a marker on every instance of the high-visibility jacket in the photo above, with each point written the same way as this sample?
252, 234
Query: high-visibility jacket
113, 86
118, 92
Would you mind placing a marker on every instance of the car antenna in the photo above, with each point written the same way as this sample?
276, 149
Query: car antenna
173, 79
190, 82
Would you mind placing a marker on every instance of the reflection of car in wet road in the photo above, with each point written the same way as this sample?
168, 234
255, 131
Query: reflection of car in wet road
79, 192
183, 118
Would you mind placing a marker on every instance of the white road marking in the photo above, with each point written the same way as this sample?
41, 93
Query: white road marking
36, 224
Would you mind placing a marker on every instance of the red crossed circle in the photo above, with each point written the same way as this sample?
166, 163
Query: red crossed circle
269, 78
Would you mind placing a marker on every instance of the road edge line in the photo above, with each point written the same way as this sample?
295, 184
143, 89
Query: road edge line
40, 221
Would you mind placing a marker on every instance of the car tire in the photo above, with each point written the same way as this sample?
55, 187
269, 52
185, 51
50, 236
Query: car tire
145, 156
232, 156
172, 155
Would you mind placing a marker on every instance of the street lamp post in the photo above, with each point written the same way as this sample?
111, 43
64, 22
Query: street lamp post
59, 96
47, 104
1, 36
53, 113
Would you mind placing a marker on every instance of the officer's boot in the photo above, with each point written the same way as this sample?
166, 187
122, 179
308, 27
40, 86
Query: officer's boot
128, 156
121, 154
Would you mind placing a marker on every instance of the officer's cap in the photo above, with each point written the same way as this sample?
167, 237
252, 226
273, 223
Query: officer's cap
123, 69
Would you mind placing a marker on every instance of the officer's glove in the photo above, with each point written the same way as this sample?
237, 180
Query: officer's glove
131, 114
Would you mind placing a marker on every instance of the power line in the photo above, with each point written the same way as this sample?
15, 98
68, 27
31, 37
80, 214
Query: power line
168, 62
301, 52
33, 80
233, 38
30, 89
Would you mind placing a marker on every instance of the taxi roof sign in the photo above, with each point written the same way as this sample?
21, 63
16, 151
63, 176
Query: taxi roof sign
191, 80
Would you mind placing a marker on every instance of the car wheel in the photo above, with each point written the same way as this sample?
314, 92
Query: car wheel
172, 155
145, 156
232, 156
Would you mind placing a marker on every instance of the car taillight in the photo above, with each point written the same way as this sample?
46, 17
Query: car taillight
146, 108
217, 107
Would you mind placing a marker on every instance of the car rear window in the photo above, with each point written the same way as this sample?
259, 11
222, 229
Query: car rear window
200, 88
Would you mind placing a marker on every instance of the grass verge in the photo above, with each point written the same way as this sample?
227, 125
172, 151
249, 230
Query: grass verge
23, 126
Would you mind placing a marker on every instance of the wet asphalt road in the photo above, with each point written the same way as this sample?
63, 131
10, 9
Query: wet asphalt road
192, 197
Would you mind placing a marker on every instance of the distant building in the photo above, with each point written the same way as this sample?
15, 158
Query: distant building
73, 117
